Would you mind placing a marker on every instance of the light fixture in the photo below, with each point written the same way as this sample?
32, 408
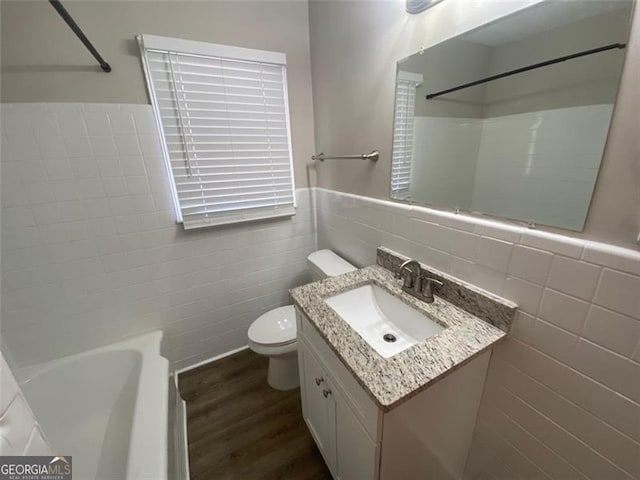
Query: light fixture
417, 6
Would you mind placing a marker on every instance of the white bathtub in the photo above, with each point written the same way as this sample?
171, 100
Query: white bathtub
108, 408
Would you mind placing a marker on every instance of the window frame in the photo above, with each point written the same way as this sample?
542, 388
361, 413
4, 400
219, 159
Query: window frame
170, 45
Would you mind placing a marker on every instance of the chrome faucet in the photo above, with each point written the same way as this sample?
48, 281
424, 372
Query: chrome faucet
412, 282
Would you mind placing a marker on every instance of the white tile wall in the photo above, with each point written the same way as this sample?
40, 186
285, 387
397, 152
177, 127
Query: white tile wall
451, 145
477, 164
494, 253
563, 310
563, 396
91, 252
20, 434
530, 264
546, 158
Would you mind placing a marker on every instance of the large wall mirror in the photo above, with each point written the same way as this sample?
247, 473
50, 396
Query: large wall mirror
511, 119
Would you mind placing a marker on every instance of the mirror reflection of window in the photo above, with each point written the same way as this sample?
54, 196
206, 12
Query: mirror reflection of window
524, 146
406, 84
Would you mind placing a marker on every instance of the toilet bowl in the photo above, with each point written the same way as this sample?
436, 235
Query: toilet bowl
274, 333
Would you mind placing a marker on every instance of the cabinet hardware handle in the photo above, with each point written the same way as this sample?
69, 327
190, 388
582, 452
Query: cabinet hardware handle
326, 393
319, 381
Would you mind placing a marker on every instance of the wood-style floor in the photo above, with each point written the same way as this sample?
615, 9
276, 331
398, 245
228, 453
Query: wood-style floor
242, 429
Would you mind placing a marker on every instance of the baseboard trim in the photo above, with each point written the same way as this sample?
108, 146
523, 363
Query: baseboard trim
209, 360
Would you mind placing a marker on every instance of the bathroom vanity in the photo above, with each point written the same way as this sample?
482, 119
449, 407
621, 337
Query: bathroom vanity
406, 410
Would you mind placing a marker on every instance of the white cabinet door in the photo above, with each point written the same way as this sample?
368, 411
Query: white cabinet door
318, 406
357, 455
347, 448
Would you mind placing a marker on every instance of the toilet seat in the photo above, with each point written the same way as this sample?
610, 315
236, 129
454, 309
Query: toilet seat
274, 328
274, 334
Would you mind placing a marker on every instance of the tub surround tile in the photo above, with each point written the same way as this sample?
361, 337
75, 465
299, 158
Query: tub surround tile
20, 433
391, 381
37, 445
16, 425
89, 228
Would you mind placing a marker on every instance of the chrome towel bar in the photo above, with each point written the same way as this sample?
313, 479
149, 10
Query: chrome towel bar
374, 155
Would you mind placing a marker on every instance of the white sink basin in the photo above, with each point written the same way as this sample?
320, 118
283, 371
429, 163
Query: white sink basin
374, 313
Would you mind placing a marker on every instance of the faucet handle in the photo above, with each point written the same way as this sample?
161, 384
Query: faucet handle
406, 276
428, 287
433, 281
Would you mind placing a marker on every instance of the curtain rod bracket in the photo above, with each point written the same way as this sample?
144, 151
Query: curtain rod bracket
80, 34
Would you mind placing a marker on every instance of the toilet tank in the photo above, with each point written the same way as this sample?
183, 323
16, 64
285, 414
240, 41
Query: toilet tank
325, 263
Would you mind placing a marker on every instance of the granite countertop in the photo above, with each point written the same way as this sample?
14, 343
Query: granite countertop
390, 381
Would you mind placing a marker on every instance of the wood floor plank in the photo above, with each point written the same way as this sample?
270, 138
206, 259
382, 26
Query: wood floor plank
239, 428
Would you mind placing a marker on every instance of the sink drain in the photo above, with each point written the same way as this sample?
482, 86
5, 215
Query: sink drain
389, 337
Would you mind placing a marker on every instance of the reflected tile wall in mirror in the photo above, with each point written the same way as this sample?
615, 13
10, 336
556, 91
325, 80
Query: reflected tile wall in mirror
527, 146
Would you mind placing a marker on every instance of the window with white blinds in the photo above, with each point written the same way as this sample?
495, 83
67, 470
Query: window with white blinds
402, 151
224, 117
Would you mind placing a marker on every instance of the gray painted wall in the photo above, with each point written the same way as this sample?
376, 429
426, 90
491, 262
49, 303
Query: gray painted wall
43, 61
589, 80
456, 59
354, 52
355, 46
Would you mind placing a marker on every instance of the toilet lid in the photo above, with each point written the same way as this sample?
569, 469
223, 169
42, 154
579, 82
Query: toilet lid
276, 327
330, 264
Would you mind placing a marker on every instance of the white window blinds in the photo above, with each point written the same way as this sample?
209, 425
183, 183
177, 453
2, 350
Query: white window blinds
224, 116
404, 113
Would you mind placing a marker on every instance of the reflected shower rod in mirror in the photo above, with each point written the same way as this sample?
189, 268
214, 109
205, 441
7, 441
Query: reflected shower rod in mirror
527, 68
374, 155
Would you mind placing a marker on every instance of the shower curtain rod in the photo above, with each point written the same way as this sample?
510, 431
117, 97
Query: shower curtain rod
527, 68
79, 33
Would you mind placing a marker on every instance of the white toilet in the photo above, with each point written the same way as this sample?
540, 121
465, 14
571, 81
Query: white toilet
273, 334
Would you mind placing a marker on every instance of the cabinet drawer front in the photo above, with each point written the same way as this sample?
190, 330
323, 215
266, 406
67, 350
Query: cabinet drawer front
359, 400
